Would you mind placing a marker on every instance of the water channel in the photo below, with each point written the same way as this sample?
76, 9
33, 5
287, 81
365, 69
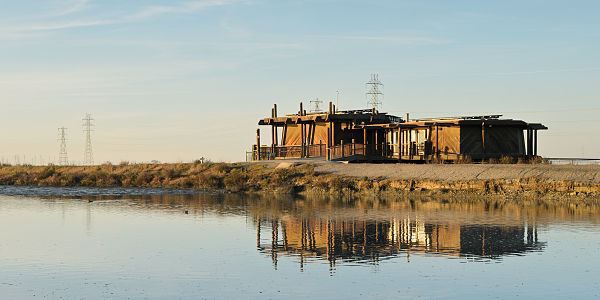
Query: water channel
81, 243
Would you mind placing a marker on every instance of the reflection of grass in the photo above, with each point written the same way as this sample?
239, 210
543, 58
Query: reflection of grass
295, 179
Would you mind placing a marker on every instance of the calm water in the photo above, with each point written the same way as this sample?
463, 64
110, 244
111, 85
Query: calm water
156, 244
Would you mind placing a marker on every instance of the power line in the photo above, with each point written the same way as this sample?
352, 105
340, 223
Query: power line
88, 155
62, 156
374, 92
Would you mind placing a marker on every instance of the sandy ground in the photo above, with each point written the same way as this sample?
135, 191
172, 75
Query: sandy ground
450, 172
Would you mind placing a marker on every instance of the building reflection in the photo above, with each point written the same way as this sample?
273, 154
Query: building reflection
370, 241
364, 231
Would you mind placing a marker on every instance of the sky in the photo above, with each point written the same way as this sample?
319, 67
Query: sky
174, 81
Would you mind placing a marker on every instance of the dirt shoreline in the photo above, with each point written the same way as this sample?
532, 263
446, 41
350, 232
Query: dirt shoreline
570, 183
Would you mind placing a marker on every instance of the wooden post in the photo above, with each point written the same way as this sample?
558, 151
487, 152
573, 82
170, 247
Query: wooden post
328, 143
535, 144
320, 151
365, 141
353, 147
342, 146
333, 133
398, 141
257, 144
276, 133
302, 140
410, 148
528, 149
330, 107
483, 139
437, 141
376, 142
308, 140
401, 142
272, 131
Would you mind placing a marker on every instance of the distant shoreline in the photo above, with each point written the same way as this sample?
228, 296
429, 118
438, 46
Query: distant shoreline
575, 184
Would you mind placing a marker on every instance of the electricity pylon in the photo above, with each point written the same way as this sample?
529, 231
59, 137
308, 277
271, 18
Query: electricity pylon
374, 92
62, 155
88, 155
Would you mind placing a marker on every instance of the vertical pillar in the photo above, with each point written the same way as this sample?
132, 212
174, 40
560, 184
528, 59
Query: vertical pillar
528, 150
483, 139
320, 150
342, 146
437, 141
257, 144
398, 142
535, 144
275, 116
376, 142
329, 142
302, 140
300, 114
353, 147
409, 138
272, 130
333, 133
365, 141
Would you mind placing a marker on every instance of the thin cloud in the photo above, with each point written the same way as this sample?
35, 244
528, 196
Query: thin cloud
75, 6
405, 40
548, 71
143, 14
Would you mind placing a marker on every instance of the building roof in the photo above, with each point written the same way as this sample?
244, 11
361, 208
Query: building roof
491, 120
363, 115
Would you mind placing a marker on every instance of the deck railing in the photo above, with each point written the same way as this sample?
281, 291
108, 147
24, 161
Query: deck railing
282, 152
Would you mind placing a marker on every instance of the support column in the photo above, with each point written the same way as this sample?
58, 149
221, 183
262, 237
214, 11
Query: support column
276, 133
365, 141
302, 134
483, 139
398, 142
329, 141
376, 141
272, 131
535, 144
437, 141
529, 152
257, 144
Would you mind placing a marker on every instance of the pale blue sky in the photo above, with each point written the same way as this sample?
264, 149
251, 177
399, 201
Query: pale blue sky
176, 80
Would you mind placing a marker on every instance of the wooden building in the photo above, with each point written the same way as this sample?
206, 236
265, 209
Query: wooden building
368, 135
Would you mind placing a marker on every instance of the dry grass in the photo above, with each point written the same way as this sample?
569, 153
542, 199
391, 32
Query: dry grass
259, 178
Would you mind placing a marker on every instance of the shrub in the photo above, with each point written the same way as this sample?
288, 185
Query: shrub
209, 181
46, 172
464, 159
507, 160
236, 181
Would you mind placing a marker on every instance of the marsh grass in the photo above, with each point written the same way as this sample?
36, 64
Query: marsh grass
296, 179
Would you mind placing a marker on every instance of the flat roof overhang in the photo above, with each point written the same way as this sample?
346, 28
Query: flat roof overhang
311, 118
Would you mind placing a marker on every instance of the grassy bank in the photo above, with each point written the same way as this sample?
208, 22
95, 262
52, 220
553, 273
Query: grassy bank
301, 178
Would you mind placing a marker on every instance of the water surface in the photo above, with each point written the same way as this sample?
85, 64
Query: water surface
61, 243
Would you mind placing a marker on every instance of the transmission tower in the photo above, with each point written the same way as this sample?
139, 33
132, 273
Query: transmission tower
88, 155
374, 92
62, 155
315, 105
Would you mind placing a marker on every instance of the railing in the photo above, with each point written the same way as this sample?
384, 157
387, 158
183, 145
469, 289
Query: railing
573, 161
282, 152
368, 150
